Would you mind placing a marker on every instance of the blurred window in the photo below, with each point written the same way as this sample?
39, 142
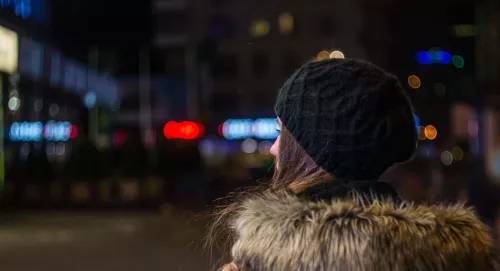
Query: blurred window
260, 64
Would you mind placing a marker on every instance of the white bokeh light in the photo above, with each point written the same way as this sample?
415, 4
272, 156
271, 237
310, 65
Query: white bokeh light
249, 146
14, 103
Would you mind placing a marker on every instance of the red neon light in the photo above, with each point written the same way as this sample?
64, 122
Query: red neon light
184, 130
73, 132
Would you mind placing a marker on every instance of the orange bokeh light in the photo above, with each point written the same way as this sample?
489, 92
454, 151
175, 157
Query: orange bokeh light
430, 132
323, 55
414, 81
421, 133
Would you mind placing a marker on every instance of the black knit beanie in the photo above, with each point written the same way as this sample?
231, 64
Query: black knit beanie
351, 117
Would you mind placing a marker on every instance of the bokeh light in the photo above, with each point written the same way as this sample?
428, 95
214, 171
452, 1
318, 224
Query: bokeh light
184, 130
442, 57
38, 105
458, 61
430, 132
414, 81
249, 146
458, 153
286, 23
90, 99
446, 158
53, 110
14, 103
424, 58
265, 147
323, 55
417, 122
337, 54
260, 28
421, 133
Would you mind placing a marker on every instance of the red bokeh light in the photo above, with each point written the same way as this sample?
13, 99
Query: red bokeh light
73, 132
184, 130
220, 129
120, 137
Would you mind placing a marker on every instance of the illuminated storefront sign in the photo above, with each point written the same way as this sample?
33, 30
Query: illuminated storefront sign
36, 131
8, 50
265, 128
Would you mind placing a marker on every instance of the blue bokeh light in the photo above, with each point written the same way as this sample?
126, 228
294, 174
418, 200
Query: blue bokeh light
417, 122
443, 57
36, 131
239, 129
424, 58
432, 57
90, 99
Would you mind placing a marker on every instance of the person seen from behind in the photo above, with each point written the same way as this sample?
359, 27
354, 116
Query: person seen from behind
343, 123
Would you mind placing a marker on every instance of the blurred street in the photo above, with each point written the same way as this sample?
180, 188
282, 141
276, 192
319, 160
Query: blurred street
102, 241
114, 105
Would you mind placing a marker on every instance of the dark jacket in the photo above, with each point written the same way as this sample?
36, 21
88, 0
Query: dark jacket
357, 228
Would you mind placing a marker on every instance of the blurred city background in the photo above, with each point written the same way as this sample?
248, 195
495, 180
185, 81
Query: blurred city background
122, 121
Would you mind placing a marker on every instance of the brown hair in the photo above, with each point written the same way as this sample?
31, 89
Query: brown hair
297, 171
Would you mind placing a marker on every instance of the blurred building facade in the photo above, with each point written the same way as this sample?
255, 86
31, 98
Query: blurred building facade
235, 55
48, 96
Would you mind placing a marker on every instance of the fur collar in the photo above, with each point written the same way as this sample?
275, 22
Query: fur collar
282, 232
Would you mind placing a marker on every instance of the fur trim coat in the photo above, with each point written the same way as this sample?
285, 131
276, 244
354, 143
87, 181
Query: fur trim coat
285, 232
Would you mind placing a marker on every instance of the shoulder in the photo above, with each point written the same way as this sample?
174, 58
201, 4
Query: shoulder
272, 227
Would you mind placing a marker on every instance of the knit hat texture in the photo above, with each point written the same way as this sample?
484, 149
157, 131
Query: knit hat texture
351, 117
